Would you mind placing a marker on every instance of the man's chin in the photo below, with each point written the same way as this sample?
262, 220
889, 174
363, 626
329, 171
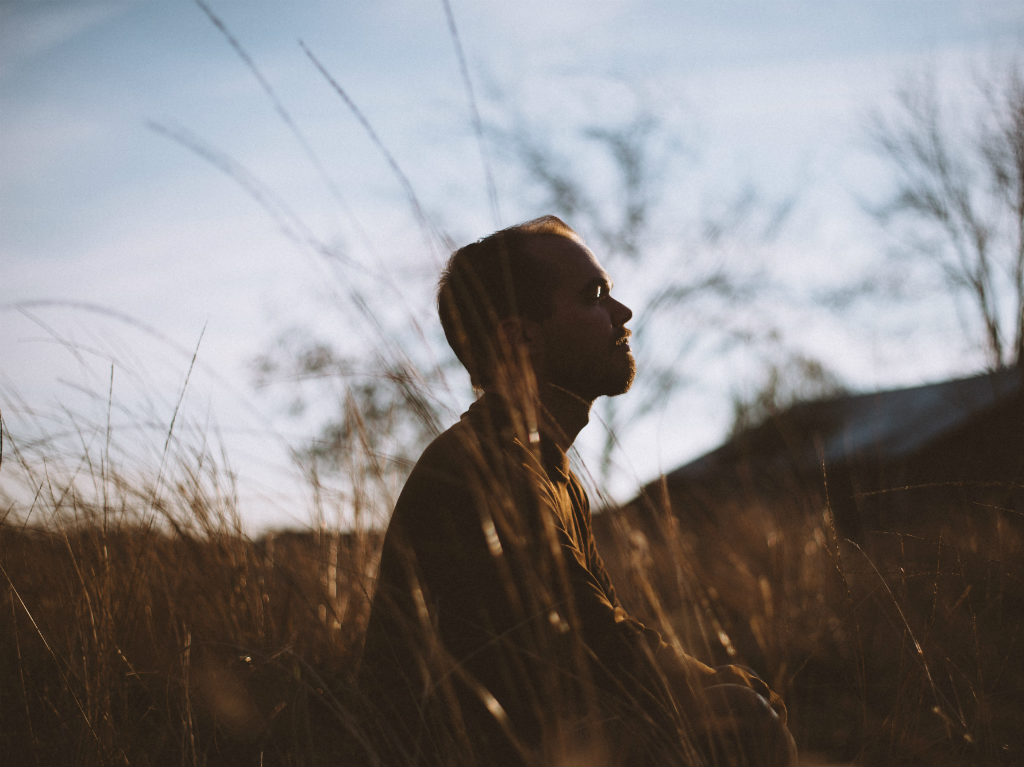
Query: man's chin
615, 381
624, 383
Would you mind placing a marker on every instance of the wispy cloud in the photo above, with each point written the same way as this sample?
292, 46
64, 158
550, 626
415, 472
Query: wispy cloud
30, 30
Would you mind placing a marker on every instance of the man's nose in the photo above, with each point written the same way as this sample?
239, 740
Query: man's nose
621, 313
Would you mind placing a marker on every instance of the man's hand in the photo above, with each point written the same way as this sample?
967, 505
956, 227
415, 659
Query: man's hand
736, 725
737, 675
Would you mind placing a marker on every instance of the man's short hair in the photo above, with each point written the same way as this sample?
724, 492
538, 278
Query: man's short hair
487, 281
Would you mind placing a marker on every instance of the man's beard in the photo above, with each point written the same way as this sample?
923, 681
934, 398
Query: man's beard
626, 380
618, 378
613, 376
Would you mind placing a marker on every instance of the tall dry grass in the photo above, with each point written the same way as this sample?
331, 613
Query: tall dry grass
902, 647
144, 626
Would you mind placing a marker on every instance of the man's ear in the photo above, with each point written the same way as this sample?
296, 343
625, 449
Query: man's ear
519, 331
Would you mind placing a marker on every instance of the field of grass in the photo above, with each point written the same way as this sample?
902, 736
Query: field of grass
143, 626
899, 649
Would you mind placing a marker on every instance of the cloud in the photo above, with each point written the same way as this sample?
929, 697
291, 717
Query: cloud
30, 30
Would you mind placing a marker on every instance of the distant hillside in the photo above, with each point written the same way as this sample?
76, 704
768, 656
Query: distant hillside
873, 457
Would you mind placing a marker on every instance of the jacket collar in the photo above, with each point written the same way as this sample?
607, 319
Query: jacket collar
491, 415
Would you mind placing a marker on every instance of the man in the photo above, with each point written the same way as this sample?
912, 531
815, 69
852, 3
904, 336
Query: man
495, 634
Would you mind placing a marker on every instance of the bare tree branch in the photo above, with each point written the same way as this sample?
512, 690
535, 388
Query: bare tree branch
959, 185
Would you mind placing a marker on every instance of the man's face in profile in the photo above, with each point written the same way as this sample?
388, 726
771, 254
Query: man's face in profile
584, 341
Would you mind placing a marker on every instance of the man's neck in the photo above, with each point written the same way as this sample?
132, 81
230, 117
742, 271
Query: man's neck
546, 408
568, 414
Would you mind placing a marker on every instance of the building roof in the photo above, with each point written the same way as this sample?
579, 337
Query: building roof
884, 426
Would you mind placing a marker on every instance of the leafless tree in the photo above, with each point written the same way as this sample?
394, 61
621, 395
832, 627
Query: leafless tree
384, 415
688, 268
374, 413
788, 381
958, 203
609, 181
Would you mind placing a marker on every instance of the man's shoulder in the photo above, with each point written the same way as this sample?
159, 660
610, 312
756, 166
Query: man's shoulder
448, 456
477, 455
475, 439
462, 469
454, 445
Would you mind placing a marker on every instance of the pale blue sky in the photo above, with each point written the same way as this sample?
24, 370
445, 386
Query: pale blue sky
96, 207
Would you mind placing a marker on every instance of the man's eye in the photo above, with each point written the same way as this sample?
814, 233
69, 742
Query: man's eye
599, 292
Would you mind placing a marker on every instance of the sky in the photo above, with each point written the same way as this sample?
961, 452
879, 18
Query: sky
156, 209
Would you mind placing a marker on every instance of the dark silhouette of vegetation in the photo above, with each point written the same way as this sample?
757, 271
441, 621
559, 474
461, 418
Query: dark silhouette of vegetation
145, 627
958, 200
786, 383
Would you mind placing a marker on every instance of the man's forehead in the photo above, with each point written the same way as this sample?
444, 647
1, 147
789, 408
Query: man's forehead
570, 261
